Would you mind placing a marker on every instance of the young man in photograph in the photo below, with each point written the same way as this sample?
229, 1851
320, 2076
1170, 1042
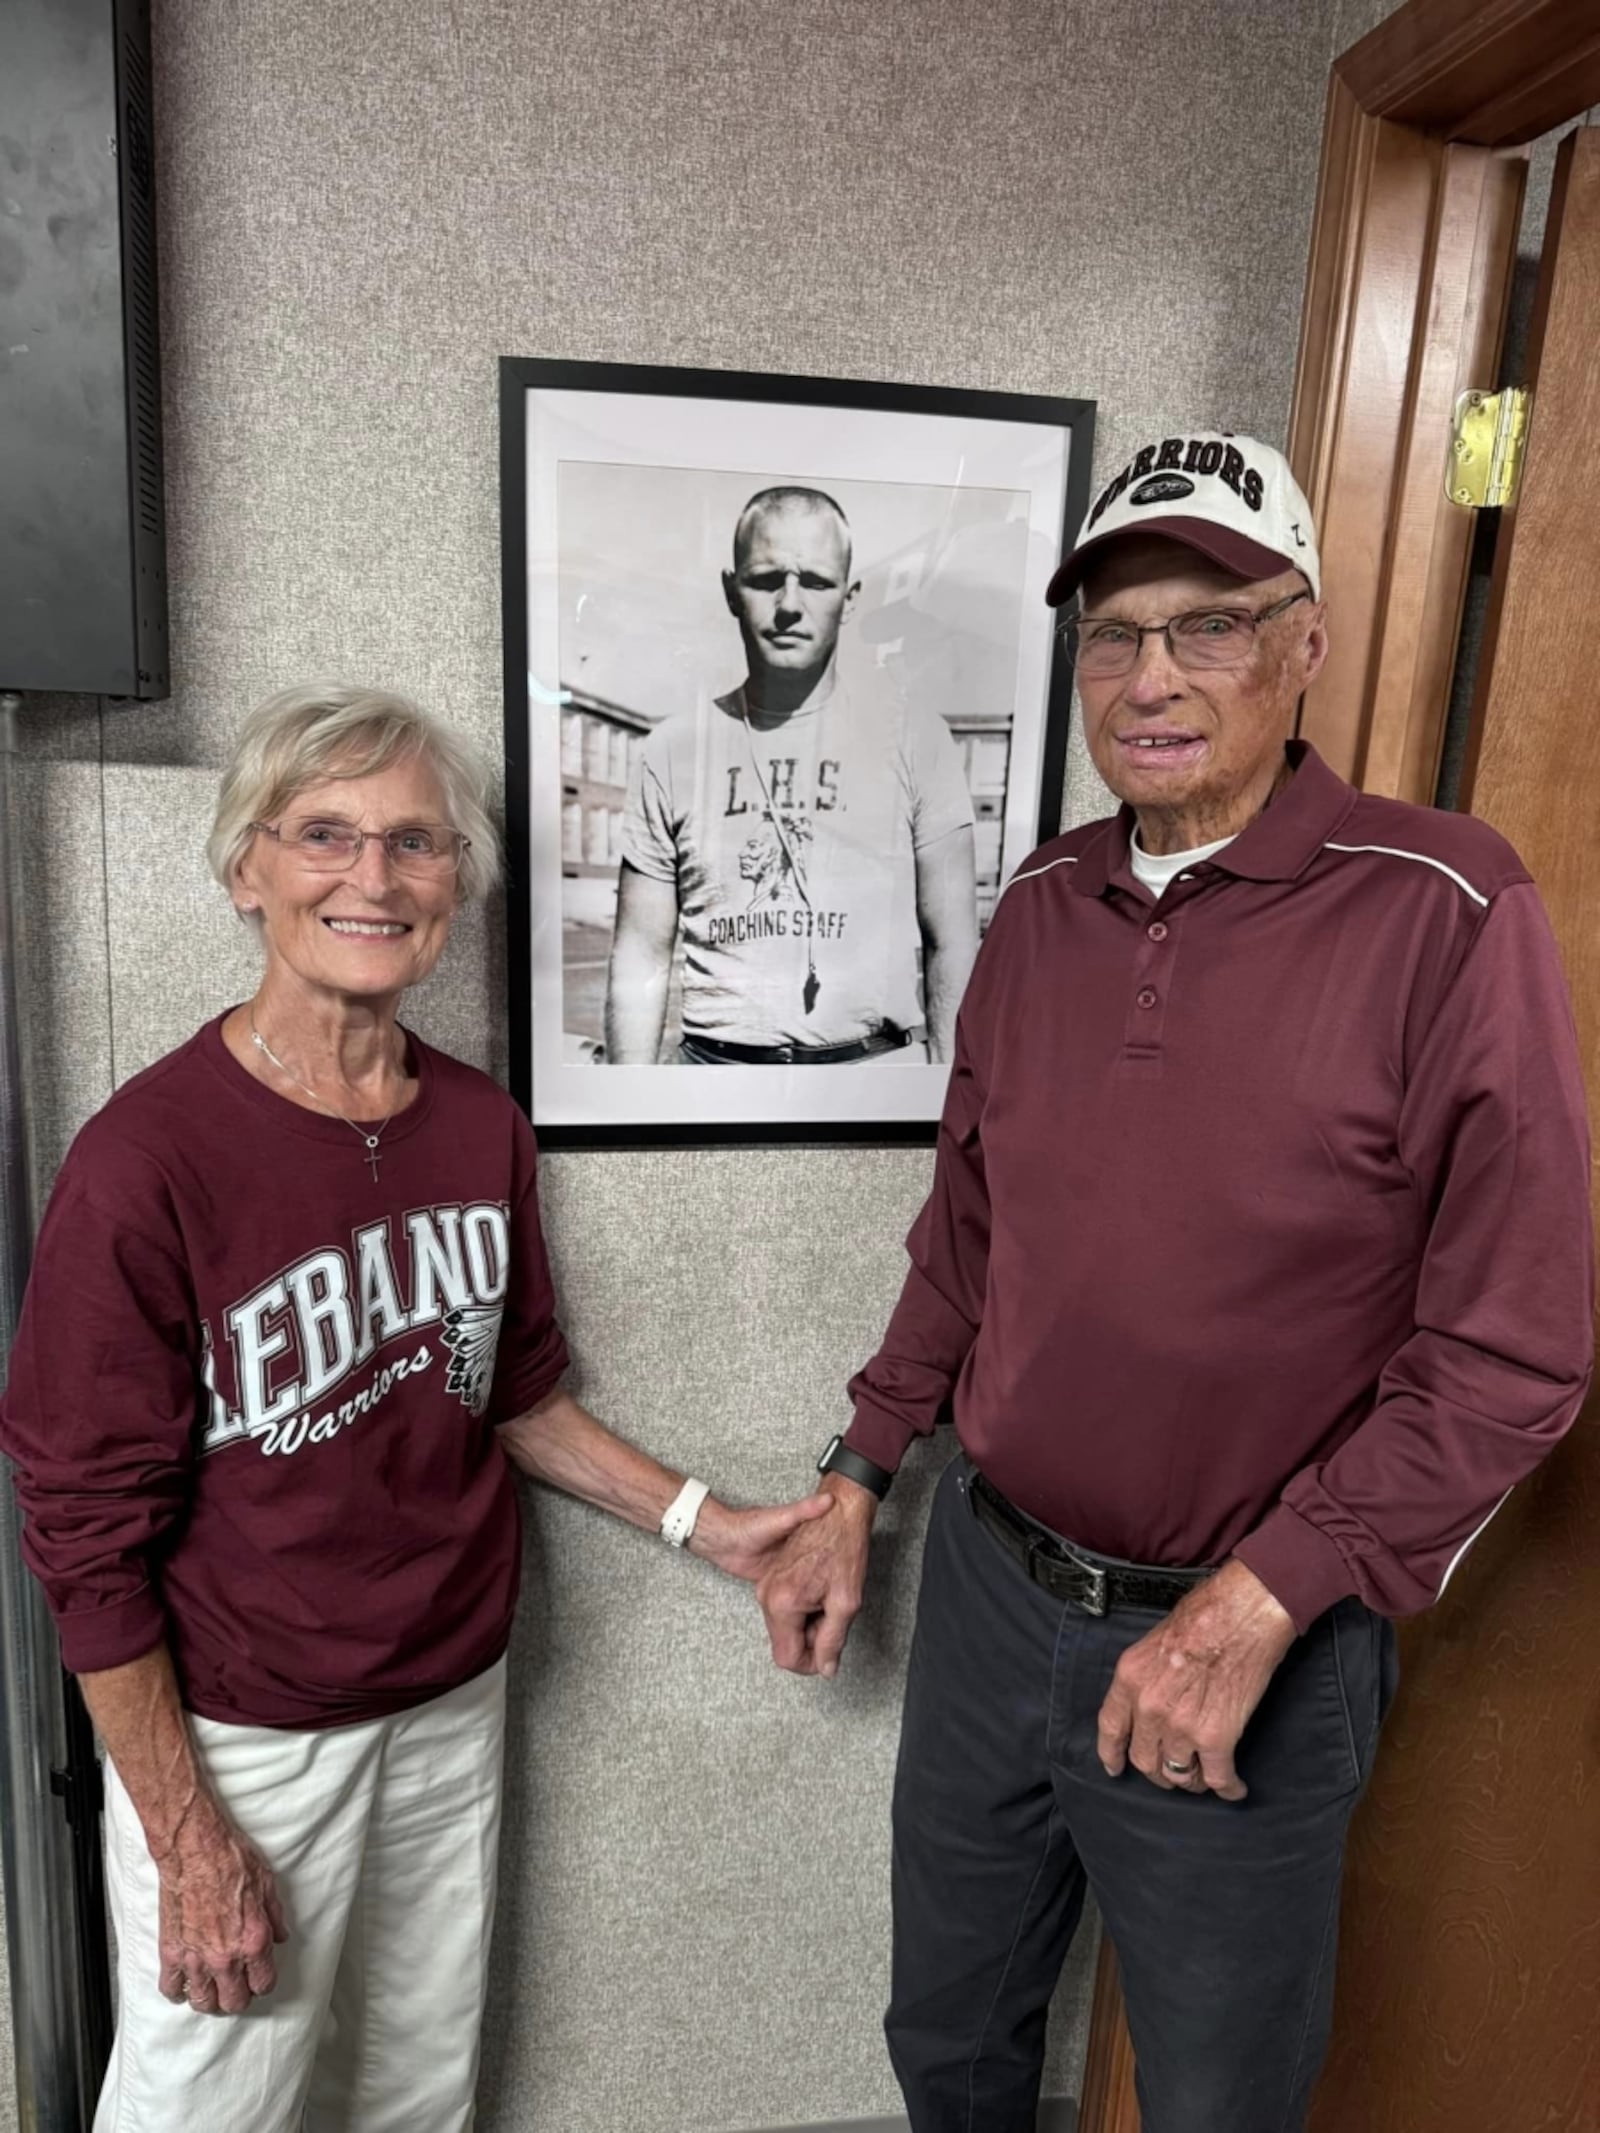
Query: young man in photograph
806, 837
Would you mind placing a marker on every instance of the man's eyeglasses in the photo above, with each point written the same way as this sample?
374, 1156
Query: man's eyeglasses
334, 847
1199, 640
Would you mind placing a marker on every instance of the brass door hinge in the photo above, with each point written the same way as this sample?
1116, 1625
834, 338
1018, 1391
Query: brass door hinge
1488, 441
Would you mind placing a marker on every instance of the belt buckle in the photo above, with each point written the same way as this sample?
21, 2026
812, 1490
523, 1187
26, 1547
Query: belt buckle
1098, 1600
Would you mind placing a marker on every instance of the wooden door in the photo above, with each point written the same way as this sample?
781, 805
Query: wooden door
1469, 1968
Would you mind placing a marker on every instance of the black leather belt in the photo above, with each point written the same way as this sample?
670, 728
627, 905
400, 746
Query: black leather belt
885, 1040
1092, 1582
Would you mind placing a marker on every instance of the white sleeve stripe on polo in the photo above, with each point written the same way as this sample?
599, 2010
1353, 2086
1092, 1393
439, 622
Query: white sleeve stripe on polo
1067, 859
1394, 851
1466, 1544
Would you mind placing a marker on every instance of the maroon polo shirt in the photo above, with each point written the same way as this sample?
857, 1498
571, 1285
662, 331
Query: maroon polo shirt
1260, 1223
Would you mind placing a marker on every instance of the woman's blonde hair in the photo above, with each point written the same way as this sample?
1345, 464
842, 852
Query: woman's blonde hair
301, 736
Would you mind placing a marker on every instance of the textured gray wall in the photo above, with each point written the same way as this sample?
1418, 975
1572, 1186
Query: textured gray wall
362, 207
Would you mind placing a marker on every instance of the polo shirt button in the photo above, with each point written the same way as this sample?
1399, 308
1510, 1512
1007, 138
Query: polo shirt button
1158, 932
1147, 998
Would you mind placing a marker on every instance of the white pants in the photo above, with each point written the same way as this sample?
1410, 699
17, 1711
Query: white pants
383, 1839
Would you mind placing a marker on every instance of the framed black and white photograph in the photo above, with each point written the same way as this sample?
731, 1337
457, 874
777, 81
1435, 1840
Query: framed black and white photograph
784, 710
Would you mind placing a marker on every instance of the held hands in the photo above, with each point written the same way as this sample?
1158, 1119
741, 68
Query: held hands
1182, 1696
220, 1916
746, 1544
812, 1592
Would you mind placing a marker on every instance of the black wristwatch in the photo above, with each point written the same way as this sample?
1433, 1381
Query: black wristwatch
839, 1459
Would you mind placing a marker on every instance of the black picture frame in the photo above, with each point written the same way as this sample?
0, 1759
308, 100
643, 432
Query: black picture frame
708, 1115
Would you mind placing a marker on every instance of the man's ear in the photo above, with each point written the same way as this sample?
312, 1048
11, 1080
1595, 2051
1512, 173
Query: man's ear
730, 592
1314, 646
850, 599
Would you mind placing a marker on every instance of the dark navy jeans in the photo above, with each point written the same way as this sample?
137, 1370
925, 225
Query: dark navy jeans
1223, 1914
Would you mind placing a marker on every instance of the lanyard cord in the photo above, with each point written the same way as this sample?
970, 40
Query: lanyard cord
813, 984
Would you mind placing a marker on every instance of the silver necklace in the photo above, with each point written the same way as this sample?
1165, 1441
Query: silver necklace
371, 1139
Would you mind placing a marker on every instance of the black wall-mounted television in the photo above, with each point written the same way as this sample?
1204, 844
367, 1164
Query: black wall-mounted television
83, 594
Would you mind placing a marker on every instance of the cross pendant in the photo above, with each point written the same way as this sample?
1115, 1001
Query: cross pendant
372, 1154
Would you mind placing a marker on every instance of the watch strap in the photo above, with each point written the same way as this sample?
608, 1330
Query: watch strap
840, 1459
681, 1513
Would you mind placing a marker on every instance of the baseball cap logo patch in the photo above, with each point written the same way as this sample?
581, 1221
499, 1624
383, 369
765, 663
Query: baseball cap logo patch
1161, 489
1230, 498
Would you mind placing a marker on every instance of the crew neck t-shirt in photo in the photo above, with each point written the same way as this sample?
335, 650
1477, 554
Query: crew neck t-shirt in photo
253, 1394
795, 844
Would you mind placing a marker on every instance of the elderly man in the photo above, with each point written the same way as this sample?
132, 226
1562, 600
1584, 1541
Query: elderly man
807, 838
1257, 1270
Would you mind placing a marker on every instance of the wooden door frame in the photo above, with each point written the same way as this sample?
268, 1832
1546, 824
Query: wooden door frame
1413, 245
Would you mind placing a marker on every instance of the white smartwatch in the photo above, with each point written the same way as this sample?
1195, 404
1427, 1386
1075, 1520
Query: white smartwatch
682, 1512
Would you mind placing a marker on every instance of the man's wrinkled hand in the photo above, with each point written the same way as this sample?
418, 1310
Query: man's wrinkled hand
220, 1917
1182, 1696
812, 1593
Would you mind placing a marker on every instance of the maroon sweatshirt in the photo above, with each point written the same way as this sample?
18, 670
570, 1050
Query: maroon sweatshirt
253, 1392
1260, 1219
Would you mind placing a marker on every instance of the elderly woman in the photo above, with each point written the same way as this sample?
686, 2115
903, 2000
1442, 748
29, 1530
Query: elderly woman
289, 1329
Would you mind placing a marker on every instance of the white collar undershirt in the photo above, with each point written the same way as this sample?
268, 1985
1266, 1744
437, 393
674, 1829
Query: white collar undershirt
1157, 870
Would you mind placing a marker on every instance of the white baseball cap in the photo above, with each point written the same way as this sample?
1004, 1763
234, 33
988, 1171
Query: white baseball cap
1232, 498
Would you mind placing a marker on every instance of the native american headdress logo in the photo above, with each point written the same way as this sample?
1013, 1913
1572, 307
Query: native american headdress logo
773, 861
472, 1335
